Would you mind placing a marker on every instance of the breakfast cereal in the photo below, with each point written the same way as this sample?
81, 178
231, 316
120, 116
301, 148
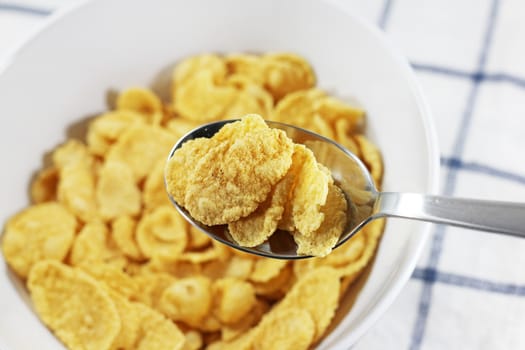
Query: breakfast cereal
140, 147
285, 73
44, 186
116, 192
123, 229
142, 101
110, 264
266, 269
309, 192
255, 228
188, 300
291, 328
231, 187
235, 176
104, 130
42, 231
74, 305
162, 233
318, 293
325, 237
91, 245
233, 299
76, 188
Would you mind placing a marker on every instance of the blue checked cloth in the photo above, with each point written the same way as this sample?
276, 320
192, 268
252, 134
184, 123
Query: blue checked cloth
468, 291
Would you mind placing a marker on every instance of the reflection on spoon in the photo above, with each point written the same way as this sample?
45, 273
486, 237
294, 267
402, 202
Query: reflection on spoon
351, 175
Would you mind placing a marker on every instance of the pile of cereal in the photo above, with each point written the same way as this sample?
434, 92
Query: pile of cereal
255, 180
110, 264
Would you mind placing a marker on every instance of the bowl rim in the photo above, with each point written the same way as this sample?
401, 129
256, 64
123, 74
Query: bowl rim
424, 112
432, 166
34, 33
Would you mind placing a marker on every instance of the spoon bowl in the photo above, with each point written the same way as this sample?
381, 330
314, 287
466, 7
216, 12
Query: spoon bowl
366, 203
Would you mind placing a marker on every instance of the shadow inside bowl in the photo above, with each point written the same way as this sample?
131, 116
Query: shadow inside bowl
161, 82
350, 296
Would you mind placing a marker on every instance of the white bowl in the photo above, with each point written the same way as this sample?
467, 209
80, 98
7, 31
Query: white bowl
62, 74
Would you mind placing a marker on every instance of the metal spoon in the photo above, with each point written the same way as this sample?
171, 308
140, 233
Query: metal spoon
352, 176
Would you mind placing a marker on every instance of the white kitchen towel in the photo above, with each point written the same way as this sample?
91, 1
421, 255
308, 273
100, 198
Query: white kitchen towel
468, 291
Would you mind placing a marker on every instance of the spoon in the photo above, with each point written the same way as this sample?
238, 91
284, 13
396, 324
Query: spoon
352, 176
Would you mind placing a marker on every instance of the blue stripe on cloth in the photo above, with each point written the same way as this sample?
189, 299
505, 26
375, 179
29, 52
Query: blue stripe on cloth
25, 9
431, 275
483, 169
476, 76
441, 70
385, 14
418, 331
425, 300
503, 77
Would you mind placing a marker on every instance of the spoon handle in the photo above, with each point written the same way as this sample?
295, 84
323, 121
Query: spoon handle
493, 216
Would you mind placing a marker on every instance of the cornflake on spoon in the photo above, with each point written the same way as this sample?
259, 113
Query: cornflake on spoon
255, 180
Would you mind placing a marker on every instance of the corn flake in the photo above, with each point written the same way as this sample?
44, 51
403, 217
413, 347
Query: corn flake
301, 109
244, 103
42, 231
162, 233
343, 256
113, 277
188, 300
247, 86
371, 157
286, 73
298, 108
74, 306
197, 257
154, 193
177, 171
192, 340
348, 252
234, 298
93, 244
333, 110
175, 266
141, 147
266, 269
44, 185
371, 232
309, 193
243, 342
276, 287
318, 293
142, 101
231, 180
255, 228
129, 322
151, 285
180, 126
248, 66
188, 69
322, 240
123, 233
197, 239
157, 332
76, 190
231, 331
239, 267
105, 129
342, 127
71, 152
200, 100
117, 194
289, 328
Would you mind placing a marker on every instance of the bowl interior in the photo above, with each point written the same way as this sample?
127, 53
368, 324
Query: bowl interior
65, 73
